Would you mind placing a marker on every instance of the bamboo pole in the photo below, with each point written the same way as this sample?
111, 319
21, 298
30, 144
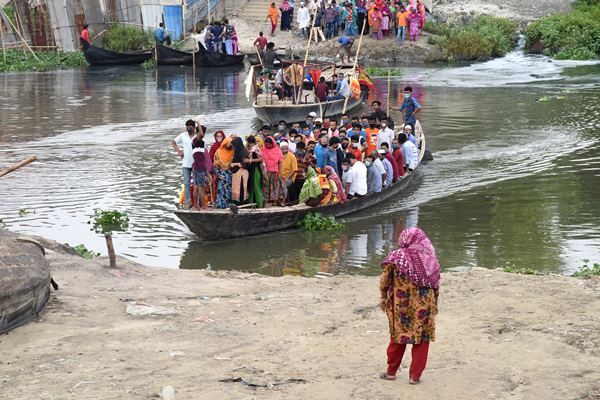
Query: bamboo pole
18, 165
3, 44
388, 94
362, 32
183, 10
259, 57
20, 36
301, 91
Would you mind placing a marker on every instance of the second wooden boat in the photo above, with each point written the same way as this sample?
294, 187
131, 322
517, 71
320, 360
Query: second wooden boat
99, 56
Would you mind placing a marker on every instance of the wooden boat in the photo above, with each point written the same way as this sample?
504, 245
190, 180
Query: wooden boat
214, 59
24, 280
168, 56
98, 56
216, 224
271, 110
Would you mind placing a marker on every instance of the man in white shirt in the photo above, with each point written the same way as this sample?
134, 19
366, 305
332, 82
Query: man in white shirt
356, 181
343, 91
379, 165
303, 20
386, 135
182, 145
410, 153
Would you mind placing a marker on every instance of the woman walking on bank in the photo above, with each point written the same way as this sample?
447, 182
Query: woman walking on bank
273, 16
409, 287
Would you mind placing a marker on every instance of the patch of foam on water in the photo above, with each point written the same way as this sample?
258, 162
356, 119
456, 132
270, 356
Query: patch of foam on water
513, 69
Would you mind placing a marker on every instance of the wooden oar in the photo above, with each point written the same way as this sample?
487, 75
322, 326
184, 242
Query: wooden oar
18, 165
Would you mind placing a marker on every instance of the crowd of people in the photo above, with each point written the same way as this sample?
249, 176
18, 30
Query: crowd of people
317, 162
221, 37
348, 18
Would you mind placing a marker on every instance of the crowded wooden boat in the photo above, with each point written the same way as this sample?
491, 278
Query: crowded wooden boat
270, 180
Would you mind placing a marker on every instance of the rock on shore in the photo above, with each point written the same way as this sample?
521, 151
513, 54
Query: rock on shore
128, 333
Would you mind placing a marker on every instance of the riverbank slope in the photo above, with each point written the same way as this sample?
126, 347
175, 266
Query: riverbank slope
500, 336
386, 52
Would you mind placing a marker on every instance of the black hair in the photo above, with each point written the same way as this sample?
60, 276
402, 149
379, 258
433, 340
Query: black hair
334, 140
225, 21
345, 115
293, 131
201, 128
349, 156
190, 122
85, 25
376, 102
322, 79
260, 33
251, 139
345, 138
385, 119
385, 144
408, 89
357, 126
270, 45
372, 118
356, 118
161, 25
265, 127
282, 122
304, 126
322, 135
355, 138
365, 117
402, 138
300, 145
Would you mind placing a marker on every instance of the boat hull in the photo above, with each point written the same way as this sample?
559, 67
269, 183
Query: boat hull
24, 280
224, 224
98, 56
168, 56
214, 59
272, 114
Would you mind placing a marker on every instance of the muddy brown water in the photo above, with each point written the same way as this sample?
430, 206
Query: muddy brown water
515, 180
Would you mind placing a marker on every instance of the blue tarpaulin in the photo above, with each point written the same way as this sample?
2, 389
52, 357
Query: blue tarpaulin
174, 21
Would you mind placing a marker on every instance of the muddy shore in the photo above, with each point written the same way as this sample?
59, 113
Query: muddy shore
126, 333
388, 52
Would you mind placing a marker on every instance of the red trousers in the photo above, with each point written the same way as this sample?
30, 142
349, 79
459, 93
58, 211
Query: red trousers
395, 352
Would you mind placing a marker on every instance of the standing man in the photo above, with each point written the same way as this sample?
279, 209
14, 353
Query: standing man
228, 36
330, 15
409, 153
345, 48
182, 145
410, 107
386, 135
160, 36
372, 132
303, 20
356, 182
380, 114
217, 32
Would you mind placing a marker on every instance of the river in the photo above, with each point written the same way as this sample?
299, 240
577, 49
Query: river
515, 180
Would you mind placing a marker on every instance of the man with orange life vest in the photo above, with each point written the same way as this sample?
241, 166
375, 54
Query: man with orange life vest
372, 132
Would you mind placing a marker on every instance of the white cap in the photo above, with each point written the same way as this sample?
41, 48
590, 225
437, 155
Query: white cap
312, 114
318, 120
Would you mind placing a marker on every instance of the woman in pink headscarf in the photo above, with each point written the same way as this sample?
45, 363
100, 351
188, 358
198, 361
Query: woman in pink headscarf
409, 286
414, 20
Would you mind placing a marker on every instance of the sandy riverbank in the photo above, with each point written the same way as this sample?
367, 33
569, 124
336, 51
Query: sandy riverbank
500, 336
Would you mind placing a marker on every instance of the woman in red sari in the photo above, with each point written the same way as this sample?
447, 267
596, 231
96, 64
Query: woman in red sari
409, 287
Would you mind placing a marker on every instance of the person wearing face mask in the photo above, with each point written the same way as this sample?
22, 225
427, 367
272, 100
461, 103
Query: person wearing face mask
355, 177
385, 133
281, 130
309, 120
358, 130
346, 122
374, 178
292, 140
321, 150
410, 107
356, 148
345, 145
409, 134
306, 132
317, 126
389, 169
372, 135
409, 152
182, 145
379, 165
331, 155
398, 156
395, 171
343, 133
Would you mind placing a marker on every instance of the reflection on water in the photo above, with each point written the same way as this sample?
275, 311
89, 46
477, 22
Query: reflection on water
515, 178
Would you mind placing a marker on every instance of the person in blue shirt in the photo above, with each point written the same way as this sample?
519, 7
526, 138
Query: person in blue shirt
321, 151
345, 48
217, 33
410, 107
160, 36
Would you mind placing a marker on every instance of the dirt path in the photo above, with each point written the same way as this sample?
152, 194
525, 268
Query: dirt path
500, 336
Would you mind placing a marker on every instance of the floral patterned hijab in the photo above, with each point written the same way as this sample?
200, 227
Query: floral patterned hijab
415, 258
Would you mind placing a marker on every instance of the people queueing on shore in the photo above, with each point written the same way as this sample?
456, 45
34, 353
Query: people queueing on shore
409, 286
221, 37
326, 20
317, 162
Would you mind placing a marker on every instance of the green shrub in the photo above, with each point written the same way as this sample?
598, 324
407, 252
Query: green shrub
123, 38
483, 38
574, 35
319, 222
376, 71
586, 272
18, 60
521, 271
84, 252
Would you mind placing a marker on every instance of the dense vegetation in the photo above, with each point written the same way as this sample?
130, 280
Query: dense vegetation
22, 60
319, 222
574, 35
484, 38
123, 38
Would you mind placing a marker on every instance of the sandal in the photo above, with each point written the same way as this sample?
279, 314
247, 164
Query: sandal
385, 376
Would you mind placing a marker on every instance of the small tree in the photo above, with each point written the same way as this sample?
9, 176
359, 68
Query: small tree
105, 222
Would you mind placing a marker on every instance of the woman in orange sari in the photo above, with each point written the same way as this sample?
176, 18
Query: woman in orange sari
273, 16
375, 22
222, 163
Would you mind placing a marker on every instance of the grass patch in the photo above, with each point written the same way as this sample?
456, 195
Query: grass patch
521, 271
319, 222
484, 38
573, 36
18, 60
587, 271
376, 71
124, 38
84, 252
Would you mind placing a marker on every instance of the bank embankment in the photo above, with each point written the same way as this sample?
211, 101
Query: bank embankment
126, 333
